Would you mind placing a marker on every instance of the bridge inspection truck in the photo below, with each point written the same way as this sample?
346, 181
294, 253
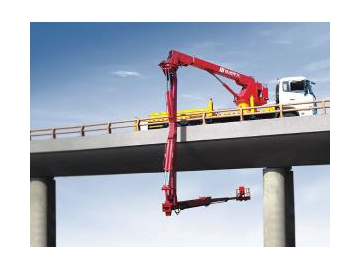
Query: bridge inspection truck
251, 102
296, 91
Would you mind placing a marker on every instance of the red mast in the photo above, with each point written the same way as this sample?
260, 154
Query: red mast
169, 68
170, 152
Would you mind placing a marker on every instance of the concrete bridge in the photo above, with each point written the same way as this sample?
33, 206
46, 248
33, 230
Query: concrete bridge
273, 144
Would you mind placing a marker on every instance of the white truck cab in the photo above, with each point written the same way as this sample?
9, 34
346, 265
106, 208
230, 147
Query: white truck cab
293, 90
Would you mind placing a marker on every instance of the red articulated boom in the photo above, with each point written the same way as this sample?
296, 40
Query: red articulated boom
251, 94
250, 87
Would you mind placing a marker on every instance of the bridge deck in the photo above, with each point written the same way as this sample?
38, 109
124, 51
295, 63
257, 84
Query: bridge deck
289, 141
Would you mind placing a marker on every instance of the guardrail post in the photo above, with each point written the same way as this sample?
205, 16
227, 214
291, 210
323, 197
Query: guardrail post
54, 133
137, 124
82, 132
281, 110
109, 128
203, 118
324, 107
241, 114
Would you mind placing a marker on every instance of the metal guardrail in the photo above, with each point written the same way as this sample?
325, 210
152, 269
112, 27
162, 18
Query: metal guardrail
136, 123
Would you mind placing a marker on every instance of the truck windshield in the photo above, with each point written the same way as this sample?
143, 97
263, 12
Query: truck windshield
290, 86
299, 86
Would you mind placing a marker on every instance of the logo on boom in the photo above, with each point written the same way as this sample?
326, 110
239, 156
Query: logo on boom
229, 72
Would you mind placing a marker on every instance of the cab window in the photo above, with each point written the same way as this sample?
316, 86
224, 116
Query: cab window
285, 87
297, 86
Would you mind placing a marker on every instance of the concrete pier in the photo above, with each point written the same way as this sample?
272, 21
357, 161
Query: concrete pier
42, 212
279, 212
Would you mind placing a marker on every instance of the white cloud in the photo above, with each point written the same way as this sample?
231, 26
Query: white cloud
284, 42
192, 97
318, 65
267, 33
319, 41
275, 37
125, 73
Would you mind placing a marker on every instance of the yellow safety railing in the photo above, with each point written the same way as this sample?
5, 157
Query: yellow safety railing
136, 124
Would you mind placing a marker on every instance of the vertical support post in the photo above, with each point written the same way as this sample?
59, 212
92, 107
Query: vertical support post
279, 211
137, 124
290, 208
42, 212
281, 110
241, 114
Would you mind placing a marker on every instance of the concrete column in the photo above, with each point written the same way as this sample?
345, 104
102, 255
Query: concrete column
42, 212
279, 212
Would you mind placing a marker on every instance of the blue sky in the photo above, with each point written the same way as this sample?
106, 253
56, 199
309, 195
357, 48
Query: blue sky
90, 72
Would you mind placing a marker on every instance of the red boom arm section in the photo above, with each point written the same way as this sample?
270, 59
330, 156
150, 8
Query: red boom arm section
250, 87
169, 68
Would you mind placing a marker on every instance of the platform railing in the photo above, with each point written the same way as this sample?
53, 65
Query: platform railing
135, 124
